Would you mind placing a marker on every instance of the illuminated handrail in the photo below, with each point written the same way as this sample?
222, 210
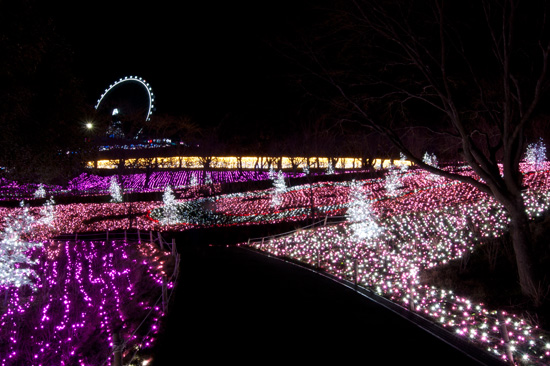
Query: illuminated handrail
324, 222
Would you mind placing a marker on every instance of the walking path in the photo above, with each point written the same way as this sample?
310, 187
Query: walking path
234, 305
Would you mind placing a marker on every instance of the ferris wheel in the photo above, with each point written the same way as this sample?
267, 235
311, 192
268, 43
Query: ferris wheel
128, 80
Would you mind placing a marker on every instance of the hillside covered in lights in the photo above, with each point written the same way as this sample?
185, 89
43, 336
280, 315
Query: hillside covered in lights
381, 233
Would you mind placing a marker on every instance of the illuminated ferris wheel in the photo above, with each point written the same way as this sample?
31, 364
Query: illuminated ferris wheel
127, 81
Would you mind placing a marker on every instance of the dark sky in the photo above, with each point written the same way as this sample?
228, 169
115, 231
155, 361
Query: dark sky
202, 59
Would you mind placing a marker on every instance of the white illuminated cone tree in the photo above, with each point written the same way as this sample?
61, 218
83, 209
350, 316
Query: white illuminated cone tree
392, 182
361, 216
47, 213
170, 210
330, 168
40, 191
431, 159
15, 263
535, 155
115, 190
280, 188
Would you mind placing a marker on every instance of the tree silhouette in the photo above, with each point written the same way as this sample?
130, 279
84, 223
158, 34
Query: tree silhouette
473, 74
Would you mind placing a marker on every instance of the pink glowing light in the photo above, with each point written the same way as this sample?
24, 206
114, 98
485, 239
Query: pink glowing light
85, 292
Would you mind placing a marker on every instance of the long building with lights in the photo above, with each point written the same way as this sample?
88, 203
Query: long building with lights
241, 162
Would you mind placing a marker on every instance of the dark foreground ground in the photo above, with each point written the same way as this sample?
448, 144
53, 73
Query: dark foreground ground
238, 307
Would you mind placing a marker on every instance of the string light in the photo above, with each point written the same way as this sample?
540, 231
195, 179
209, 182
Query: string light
114, 189
170, 208
85, 291
330, 168
393, 181
535, 154
422, 232
360, 215
279, 188
40, 192
426, 224
15, 262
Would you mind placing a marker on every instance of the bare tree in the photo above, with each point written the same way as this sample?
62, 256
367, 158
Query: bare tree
474, 72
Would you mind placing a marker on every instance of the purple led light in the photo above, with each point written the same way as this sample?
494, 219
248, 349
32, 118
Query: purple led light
86, 290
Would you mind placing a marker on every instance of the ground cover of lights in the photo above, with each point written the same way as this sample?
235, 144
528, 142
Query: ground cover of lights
417, 192
414, 213
84, 291
93, 184
293, 203
423, 228
253, 207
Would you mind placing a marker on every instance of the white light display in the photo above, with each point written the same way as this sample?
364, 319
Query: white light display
170, 209
40, 191
47, 213
330, 168
361, 215
114, 190
535, 155
427, 226
15, 252
393, 181
431, 160
280, 189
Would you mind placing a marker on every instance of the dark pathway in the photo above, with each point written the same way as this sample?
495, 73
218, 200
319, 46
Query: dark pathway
236, 306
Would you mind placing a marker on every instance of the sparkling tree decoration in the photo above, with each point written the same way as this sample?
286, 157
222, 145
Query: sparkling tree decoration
330, 168
170, 209
393, 181
47, 213
40, 191
360, 215
306, 169
114, 189
15, 264
280, 188
535, 155
431, 160
194, 182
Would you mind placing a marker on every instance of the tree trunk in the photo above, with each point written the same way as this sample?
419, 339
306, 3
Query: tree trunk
117, 354
523, 249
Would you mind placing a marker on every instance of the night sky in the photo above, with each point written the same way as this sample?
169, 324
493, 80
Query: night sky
203, 60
